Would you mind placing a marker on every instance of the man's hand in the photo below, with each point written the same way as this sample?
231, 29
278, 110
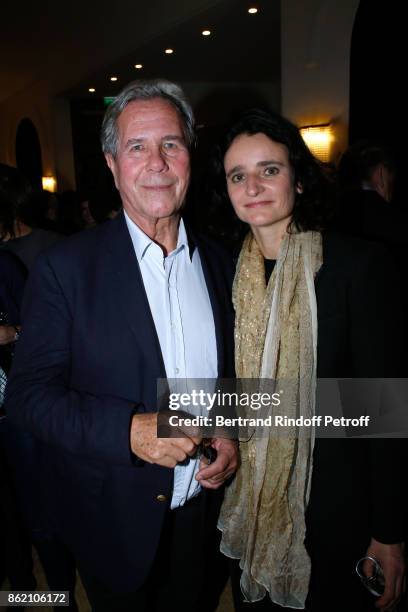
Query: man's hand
391, 559
214, 475
163, 451
7, 334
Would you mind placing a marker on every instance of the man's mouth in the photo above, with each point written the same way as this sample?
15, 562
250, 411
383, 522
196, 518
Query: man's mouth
158, 187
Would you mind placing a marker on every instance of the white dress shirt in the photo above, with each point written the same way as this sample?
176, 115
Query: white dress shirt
183, 317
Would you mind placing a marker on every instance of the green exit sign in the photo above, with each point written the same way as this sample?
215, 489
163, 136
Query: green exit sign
108, 100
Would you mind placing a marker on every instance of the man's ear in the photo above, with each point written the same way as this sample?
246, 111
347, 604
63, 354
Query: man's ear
112, 167
381, 180
377, 176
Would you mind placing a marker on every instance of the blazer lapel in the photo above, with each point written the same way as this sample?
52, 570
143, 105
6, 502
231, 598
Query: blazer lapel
130, 295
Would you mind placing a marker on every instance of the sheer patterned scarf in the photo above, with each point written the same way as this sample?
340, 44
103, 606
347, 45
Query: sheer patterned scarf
263, 515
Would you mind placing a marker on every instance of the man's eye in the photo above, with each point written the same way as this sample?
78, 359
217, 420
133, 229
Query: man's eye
169, 145
237, 178
136, 147
271, 170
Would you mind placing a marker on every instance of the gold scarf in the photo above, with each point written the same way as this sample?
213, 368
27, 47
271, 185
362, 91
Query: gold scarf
263, 514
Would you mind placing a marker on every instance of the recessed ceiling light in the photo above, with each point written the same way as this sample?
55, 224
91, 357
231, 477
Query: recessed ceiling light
138, 66
169, 51
92, 89
114, 78
206, 32
252, 10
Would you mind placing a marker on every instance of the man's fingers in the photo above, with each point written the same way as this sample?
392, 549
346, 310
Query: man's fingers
214, 475
162, 451
186, 444
206, 472
207, 484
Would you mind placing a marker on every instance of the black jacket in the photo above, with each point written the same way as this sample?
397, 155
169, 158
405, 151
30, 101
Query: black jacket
358, 485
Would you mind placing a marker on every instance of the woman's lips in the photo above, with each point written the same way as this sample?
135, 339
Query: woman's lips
257, 204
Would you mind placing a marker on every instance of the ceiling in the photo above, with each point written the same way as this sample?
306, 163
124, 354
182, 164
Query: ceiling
69, 47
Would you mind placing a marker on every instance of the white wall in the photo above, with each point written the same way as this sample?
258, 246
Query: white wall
316, 40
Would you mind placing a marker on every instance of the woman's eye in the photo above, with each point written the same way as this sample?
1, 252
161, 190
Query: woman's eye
271, 170
237, 178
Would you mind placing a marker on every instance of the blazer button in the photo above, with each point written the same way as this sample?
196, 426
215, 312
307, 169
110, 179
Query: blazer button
161, 498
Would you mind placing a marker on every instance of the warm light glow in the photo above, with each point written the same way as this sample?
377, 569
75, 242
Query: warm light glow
138, 66
114, 78
206, 32
318, 138
169, 51
49, 183
92, 89
252, 10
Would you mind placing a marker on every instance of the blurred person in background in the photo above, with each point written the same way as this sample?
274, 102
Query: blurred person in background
19, 216
26, 464
15, 540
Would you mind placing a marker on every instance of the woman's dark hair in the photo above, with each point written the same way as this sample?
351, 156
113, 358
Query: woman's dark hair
311, 208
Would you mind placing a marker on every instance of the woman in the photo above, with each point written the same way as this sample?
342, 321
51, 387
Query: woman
300, 514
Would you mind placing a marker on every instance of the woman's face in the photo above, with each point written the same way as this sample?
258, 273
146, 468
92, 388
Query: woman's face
260, 180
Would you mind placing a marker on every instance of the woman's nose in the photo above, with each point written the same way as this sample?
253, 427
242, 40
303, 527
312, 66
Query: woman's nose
253, 185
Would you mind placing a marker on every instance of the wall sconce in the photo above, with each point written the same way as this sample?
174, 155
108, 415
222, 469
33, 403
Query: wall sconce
318, 139
49, 184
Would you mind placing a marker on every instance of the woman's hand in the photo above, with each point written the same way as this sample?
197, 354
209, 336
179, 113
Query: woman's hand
391, 559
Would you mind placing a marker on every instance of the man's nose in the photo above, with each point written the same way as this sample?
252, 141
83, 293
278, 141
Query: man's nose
157, 160
253, 185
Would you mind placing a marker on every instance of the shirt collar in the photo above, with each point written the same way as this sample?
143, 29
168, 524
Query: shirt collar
142, 242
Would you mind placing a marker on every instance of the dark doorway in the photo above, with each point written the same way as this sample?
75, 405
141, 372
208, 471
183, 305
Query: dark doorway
28, 152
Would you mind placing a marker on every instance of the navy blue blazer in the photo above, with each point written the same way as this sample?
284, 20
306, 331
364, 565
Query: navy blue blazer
88, 357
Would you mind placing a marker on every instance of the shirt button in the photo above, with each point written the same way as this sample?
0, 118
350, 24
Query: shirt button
177, 370
161, 498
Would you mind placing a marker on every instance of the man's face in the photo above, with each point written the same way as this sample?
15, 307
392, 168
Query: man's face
152, 164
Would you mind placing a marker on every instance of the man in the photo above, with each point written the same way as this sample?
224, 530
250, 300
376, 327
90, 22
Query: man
366, 207
106, 314
366, 178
